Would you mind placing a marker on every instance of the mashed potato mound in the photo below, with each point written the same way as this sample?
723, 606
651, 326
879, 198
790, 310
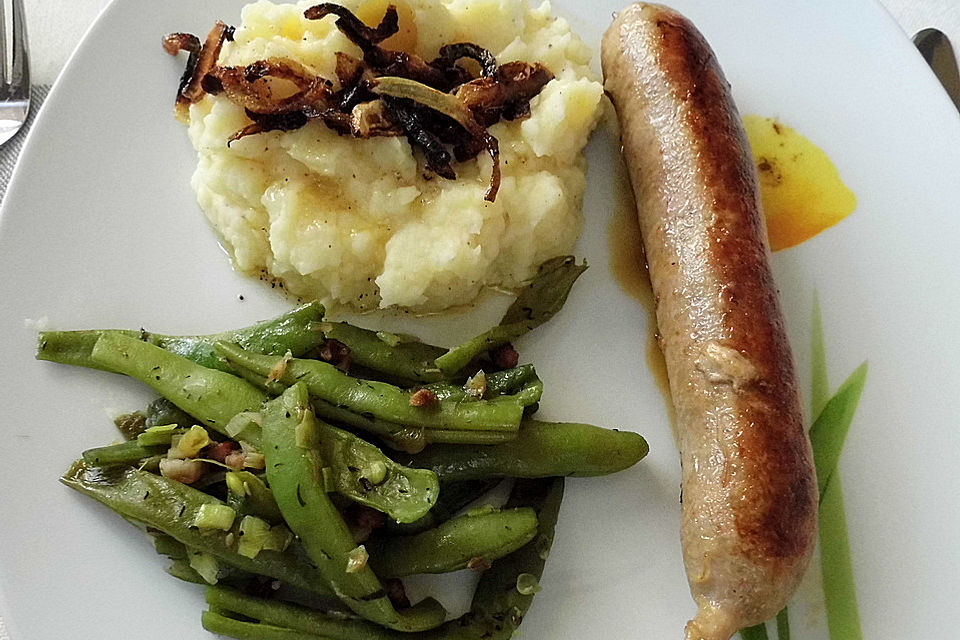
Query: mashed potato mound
359, 223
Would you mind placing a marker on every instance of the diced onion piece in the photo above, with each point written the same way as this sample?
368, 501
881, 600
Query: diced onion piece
527, 584
476, 385
254, 534
280, 368
215, 516
204, 564
357, 559
192, 442
243, 422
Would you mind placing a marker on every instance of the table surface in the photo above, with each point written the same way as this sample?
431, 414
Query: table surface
56, 26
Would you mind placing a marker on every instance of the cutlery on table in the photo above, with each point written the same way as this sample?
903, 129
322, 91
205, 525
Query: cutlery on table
935, 48
14, 71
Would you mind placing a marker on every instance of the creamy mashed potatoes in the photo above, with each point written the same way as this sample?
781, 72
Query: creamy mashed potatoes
359, 223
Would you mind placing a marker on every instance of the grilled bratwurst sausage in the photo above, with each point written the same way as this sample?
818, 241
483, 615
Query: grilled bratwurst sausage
749, 492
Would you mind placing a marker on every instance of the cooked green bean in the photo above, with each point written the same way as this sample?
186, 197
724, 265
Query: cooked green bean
515, 380
211, 396
169, 546
242, 630
410, 439
247, 494
333, 626
295, 472
297, 331
501, 600
163, 435
405, 361
181, 570
520, 382
162, 411
378, 399
215, 397
541, 449
173, 507
526, 387
282, 618
537, 302
123, 453
180, 567
130, 425
363, 473
454, 496
481, 536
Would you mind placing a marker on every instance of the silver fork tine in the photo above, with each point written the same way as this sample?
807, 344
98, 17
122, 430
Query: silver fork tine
15, 84
3, 43
21, 61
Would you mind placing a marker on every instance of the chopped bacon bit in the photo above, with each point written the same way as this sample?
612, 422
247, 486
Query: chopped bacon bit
505, 356
235, 459
337, 354
396, 592
423, 398
221, 450
478, 564
186, 471
362, 521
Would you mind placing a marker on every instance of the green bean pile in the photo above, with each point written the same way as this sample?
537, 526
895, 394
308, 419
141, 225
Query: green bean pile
301, 457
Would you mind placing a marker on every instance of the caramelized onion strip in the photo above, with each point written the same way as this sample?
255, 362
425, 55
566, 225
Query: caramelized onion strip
352, 26
450, 53
250, 88
199, 64
450, 106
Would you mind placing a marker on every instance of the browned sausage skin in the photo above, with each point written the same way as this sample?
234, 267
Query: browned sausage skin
748, 490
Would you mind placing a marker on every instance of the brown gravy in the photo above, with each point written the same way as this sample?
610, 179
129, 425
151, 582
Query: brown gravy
629, 266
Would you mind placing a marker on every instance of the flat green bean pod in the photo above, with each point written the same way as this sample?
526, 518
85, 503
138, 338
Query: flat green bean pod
401, 360
333, 626
520, 382
537, 302
378, 399
297, 331
172, 507
402, 438
454, 496
210, 395
295, 473
541, 449
363, 473
480, 537
502, 599
214, 397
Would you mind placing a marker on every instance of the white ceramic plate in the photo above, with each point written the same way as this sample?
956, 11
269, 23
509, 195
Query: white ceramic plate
100, 228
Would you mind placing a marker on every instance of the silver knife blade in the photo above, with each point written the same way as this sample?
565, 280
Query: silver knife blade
935, 48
